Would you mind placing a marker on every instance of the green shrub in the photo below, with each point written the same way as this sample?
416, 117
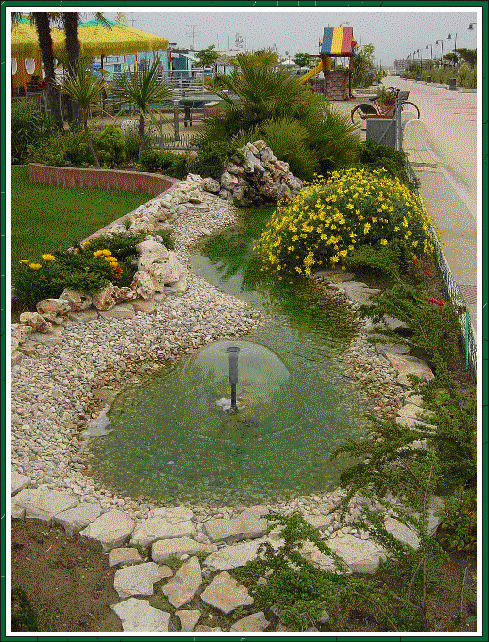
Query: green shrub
328, 220
32, 284
212, 153
110, 147
166, 162
29, 126
458, 526
375, 156
288, 141
62, 149
131, 143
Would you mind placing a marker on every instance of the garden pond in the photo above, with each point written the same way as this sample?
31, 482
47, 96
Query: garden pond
170, 438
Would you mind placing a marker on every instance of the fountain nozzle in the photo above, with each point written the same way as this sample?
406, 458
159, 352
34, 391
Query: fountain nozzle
233, 375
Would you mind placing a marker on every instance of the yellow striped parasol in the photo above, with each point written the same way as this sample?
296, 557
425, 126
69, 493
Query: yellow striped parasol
24, 40
94, 37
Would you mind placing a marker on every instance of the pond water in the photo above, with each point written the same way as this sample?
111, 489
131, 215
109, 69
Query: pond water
172, 437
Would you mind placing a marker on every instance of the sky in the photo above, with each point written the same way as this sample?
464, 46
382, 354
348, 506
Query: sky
394, 33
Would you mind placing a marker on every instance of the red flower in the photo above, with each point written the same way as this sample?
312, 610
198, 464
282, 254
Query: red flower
415, 261
427, 272
433, 300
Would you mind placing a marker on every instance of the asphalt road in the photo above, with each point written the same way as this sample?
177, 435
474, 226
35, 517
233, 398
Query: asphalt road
450, 118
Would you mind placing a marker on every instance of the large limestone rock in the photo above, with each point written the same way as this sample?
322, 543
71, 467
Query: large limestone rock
36, 322
143, 285
184, 585
233, 556
253, 622
407, 365
124, 556
225, 594
75, 519
78, 300
188, 618
44, 504
54, 310
250, 523
163, 549
105, 298
163, 525
110, 530
137, 579
360, 555
139, 616
18, 482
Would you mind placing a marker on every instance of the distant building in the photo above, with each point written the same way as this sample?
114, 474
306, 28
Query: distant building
401, 65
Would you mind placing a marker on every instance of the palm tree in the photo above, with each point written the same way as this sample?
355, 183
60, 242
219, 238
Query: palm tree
143, 89
41, 20
70, 22
83, 87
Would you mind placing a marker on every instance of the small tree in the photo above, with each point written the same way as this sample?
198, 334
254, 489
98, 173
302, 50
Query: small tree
469, 56
144, 89
207, 56
301, 59
83, 88
363, 66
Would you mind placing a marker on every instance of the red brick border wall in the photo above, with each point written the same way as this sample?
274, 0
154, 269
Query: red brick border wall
129, 181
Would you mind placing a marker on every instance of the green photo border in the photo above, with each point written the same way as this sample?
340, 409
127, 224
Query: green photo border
482, 380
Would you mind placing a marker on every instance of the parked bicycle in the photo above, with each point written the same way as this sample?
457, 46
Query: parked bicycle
384, 106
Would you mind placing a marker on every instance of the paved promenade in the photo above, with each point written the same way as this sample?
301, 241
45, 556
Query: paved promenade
456, 224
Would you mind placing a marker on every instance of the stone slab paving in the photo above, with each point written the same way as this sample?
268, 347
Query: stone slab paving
18, 482
225, 594
250, 623
139, 615
124, 556
248, 524
163, 549
360, 555
188, 618
233, 556
139, 579
79, 517
184, 585
110, 530
157, 528
44, 504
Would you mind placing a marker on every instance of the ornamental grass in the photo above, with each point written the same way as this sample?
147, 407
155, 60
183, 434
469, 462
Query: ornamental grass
329, 220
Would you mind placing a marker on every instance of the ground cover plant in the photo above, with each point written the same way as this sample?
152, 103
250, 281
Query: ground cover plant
86, 267
48, 219
328, 220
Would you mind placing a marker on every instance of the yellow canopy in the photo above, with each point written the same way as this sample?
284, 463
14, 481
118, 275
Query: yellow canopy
25, 43
94, 38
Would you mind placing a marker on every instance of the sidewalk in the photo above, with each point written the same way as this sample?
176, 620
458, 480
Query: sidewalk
456, 225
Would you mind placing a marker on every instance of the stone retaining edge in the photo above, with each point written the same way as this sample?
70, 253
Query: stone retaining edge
115, 179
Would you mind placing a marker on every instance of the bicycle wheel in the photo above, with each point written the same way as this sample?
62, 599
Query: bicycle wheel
359, 112
409, 111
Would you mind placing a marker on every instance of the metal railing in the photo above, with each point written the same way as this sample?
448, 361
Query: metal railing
454, 294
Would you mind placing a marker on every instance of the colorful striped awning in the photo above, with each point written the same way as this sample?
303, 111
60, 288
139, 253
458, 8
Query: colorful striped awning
338, 41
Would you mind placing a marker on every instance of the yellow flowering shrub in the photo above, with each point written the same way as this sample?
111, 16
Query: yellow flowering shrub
329, 219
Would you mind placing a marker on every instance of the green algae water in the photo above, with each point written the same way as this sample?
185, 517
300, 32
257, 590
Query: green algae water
172, 438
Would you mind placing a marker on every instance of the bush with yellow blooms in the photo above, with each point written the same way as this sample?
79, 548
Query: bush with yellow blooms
330, 219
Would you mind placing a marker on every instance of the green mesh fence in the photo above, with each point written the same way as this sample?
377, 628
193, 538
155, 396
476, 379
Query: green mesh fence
455, 296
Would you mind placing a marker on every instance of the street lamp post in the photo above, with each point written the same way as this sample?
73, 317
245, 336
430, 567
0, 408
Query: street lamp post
471, 26
454, 38
440, 42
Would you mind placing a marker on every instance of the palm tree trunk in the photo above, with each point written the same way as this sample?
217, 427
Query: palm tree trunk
141, 134
89, 139
70, 21
41, 20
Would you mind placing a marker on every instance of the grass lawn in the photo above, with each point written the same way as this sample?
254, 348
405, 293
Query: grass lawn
46, 219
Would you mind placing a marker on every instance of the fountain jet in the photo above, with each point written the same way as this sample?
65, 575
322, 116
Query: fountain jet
233, 375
